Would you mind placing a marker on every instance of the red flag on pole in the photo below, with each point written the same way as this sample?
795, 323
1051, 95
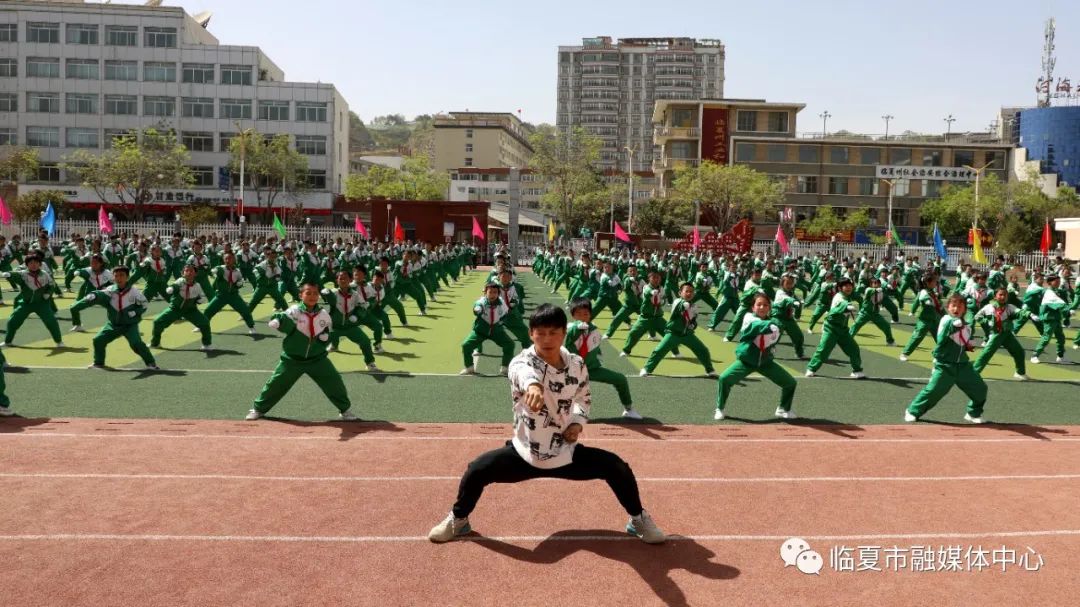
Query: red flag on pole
362, 229
620, 233
782, 239
1044, 245
399, 233
697, 238
5, 212
477, 231
104, 223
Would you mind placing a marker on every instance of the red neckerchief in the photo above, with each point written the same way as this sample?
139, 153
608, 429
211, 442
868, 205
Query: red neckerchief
157, 265
363, 294
120, 300
311, 324
583, 343
686, 313
933, 298
999, 313
229, 276
345, 298
187, 290
37, 283
491, 315
964, 342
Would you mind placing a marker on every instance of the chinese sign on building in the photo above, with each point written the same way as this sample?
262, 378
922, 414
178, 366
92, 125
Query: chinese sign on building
892, 171
714, 135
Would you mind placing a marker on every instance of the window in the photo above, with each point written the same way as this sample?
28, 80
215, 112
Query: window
43, 137
198, 73
121, 35
838, 185
931, 188
996, 160
870, 156
8, 137
198, 142
159, 106
9, 32
838, 155
9, 68
82, 138
776, 152
316, 180
9, 102
963, 158
48, 103
236, 74
79, 33
931, 158
311, 145
154, 71
84, 69
204, 176
310, 112
273, 110
48, 33
808, 153
111, 135
745, 152
468, 147
746, 121
121, 105
48, 172
79, 103
902, 187
468, 133
197, 107
468, 161
160, 37
900, 156
683, 118
226, 141
778, 122
807, 184
42, 67
236, 108
868, 186
121, 70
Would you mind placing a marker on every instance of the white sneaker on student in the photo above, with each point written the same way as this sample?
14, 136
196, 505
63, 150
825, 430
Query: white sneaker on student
503, 370
98, 367
204, 348
449, 528
604, 337
1059, 359
348, 416
643, 373
251, 330
903, 358
908, 417
643, 527
974, 420
810, 373
857, 375
388, 335
1020, 376
195, 330
6, 412
330, 348
3, 344
151, 368
785, 414
726, 340
631, 414
1034, 360
377, 349
76, 329
61, 344
676, 355
810, 331
467, 371
712, 374
718, 415
422, 313
372, 368
253, 415
622, 354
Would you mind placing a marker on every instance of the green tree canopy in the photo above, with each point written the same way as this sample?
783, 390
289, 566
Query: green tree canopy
727, 193
565, 159
271, 166
29, 206
415, 181
826, 222
17, 163
670, 215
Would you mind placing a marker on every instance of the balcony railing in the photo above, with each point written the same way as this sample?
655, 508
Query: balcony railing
677, 132
666, 164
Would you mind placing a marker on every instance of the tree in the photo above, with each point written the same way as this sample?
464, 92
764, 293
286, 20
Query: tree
727, 193
271, 166
359, 138
593, 209
954, 210
17, 163
565, 159
667, 215
827, 223
415, 181
30, 205
198, 214
422, 138
134, 168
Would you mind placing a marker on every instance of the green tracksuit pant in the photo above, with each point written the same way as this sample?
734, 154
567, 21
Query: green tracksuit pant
170, 315
320, 370
921, 331
264, 291
613, 378
770, 370
232, 300
622, 317
736, 323
727, 304
878, 320
108, 333
498, 335
830, 338
354, 334
795, 334
643, 324
1051, 330
1011, 344
416, 291
671, 342
516, 326
943, 378
44, 310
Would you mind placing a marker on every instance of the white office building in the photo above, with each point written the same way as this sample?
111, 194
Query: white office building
73, 75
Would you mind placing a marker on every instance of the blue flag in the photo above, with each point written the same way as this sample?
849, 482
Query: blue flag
48, 219
939, 246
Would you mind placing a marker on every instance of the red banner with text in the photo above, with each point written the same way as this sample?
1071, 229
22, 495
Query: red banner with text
714, 135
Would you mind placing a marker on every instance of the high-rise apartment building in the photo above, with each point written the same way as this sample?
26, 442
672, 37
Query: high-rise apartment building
74, 75
609, 88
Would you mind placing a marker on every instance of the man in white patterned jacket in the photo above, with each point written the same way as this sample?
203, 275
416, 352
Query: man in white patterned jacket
550, 390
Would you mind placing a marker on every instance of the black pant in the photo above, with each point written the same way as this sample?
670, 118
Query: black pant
506, 466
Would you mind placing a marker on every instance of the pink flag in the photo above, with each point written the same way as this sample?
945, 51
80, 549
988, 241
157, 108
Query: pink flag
362, 229
104, 223
476, 230
697, 238
5, 212
780, 238
620, 234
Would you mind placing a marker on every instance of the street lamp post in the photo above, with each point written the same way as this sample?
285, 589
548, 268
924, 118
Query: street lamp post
697, 220
888, 221
948, 129
887, 118
630, 186
824, 122
978, 176
388, 205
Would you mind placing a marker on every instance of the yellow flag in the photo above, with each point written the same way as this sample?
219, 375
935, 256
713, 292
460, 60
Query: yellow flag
551, 232
976, 240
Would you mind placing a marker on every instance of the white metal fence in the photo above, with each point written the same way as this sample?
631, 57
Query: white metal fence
65, 228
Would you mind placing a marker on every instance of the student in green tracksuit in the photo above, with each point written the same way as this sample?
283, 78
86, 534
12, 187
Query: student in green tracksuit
95, 277
608, 292
822, 293
406, 275
35, 286
729, 295
513, 295
228, 280
835, 332
1053, 311
290, 270
746, 299
870, 311
679, 330
583, 339
759, 335
202, 264
1032, 301
632, 288
952, 367
155, 272
307, 330
784, 309
344, 305
184, 297
124, 306
490, 312
370, 314
267, 281
998, 318
931, 309
393, 291
703, 282
650, 314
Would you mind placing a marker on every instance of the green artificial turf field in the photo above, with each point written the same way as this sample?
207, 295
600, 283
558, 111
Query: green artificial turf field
423, 359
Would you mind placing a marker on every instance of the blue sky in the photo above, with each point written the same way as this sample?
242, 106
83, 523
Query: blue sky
918, 60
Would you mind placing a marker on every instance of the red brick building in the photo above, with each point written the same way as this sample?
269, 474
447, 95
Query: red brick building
423, 220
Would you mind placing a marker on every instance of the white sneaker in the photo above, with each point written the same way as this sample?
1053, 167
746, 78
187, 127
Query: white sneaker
718, 415
727, 341
785, 414
676, 355
372, 368
604, 337
810, 373
348, 416
857, 375
61, 344
1034, 360
204, 348
195, 330
1059, 359
712, 374
76, 329
643, 373
253, 415
251, 330
422, 313
6, 412
908, 417
377, 349
652, 338
1020, 376
467, 371
631, 414
622, 354
810, 331
388, 335
503, 370
643, 527
3, 344
712, 329
330, 348
903, 358
151, 368
974, 420
1076, 347
449, 528
98, 367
